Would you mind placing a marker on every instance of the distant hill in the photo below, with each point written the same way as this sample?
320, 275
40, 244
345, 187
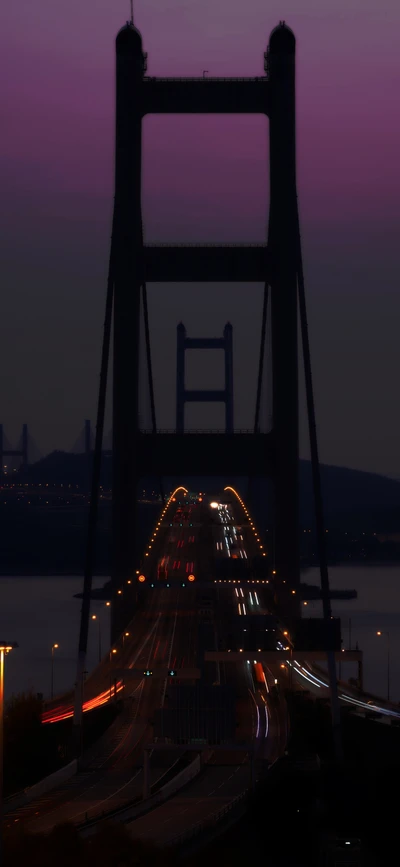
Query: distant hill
365, 500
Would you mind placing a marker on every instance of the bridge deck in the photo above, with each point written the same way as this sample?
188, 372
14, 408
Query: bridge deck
206, 454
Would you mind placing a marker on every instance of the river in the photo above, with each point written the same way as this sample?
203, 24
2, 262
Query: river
40, 612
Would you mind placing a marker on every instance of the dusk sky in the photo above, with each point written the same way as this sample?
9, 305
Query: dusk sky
205, 178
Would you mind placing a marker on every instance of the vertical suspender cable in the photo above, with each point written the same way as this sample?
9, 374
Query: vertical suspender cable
260, 374
319, 512
94, 501
150, 372
148, 356
261, 359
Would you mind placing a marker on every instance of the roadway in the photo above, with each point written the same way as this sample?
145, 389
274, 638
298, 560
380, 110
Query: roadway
261, 722
165, 633
113, 775
306, 677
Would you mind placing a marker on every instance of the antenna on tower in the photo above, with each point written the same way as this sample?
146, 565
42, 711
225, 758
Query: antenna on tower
131, 11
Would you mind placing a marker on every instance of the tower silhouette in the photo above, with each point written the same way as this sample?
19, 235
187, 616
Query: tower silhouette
20, 451
137, 453
184, 395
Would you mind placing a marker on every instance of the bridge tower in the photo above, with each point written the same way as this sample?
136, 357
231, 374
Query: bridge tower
136, 453
184, 395
21, 450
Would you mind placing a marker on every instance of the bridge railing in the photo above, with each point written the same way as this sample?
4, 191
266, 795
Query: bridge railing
209, 821
204, 78
197, 431
213, 819
173, 244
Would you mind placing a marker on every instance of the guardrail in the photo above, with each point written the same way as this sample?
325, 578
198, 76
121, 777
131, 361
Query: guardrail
210, 821
136, 809
247, 78
246, 431
22, 798
355, 692
182, 244
214, 818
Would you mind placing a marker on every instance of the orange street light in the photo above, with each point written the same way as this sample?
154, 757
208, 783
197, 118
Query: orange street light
53, 648
380, 634
5, 647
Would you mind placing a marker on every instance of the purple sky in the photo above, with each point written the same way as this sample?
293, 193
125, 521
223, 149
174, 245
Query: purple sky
204, 178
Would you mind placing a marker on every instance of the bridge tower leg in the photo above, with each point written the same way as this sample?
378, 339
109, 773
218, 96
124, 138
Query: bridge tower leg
282, 243
228, 338
128, 271
1, 451
180, 377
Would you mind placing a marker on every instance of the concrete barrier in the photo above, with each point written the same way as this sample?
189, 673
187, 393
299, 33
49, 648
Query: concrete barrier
40, 788
180, 780
129, 814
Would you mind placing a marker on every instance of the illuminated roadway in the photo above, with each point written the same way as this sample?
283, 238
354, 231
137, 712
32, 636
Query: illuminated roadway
165, 633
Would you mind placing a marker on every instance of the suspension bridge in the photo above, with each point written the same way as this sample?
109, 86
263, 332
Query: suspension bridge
182, 635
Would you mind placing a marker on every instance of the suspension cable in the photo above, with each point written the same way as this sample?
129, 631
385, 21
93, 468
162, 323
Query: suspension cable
150, 373
319, 511
148, 356
94, 497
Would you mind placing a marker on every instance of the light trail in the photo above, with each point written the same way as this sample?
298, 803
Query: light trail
258, 714
58, 714
61, 713
343, 696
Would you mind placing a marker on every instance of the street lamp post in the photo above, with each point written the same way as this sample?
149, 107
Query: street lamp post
379, 633
53, 648
5, 647
94, 617
113, 650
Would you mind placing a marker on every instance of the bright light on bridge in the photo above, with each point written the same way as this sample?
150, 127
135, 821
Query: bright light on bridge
213, 505
141, 579
191, 578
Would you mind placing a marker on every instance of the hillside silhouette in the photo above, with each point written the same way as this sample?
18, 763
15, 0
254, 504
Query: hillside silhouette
350, 496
